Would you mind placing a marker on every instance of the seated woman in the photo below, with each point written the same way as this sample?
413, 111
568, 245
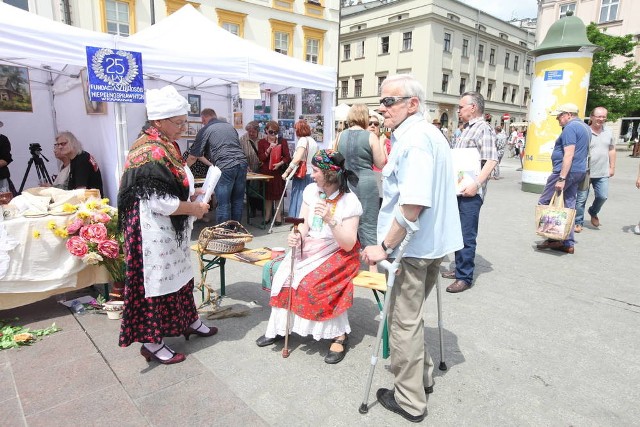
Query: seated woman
79, 168
325, 264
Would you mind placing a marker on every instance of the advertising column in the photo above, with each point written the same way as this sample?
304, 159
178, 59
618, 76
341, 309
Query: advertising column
562, 71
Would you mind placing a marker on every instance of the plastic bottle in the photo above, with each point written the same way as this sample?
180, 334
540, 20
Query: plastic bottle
316, 225
78, 308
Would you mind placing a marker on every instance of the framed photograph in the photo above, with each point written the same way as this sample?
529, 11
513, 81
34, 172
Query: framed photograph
237, 120
194, 105
91, 107
15, 92
286, 106
192, 129
311, 101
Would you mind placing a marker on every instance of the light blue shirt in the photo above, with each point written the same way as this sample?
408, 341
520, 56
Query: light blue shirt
419, 171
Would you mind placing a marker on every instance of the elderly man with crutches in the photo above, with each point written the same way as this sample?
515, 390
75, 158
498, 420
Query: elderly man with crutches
419, 197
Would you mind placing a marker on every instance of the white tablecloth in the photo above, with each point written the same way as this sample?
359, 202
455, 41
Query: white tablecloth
39, 268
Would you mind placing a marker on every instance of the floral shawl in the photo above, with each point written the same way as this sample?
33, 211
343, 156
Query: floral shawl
154, 166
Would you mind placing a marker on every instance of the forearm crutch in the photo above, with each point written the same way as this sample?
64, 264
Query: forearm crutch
391, 268
443, 365
295, 222
286, 182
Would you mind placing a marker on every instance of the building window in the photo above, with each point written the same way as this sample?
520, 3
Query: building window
481, 53
478, 86
505, 90
463, 85
380, 80
406, 40
360, 49
526, 96
492, 57
445, 83
564, 8
609, 10
313, 42
119, 17
515, 62
527, 68
384, 45
506, 60
346, 52
465, 48
358, 88
504, 36
447, 42
282, 36
20, 4
231, 21
344, 86
489, 91
514, 92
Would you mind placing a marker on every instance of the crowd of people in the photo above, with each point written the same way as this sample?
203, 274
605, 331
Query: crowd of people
359, 200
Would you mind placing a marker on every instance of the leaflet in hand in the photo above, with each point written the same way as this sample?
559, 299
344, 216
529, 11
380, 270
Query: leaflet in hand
466, 167
213, 175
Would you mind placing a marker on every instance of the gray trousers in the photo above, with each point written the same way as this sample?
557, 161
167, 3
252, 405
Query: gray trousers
411, 363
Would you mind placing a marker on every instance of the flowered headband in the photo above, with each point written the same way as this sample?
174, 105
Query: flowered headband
327, 160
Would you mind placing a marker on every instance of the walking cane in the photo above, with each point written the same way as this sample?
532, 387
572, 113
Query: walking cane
295, 222
391, 268
443, 365
275, 215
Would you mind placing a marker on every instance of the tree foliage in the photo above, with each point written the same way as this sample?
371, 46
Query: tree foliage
613, 87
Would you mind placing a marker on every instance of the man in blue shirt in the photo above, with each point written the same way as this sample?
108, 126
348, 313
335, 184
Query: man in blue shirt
418, 194
569, 159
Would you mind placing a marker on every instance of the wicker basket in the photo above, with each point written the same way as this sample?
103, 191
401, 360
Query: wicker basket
226, 238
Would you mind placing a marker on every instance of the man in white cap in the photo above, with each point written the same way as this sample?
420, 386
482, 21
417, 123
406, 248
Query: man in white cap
569, 159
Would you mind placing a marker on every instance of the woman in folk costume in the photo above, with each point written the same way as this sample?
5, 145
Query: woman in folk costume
156, 214
325, 264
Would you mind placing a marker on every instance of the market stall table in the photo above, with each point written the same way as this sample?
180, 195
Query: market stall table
40, 267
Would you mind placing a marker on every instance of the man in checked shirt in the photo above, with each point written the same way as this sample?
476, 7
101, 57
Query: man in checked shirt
479, 134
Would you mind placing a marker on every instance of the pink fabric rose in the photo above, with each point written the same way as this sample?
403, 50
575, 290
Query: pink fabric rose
101, 217
108, 248
95, 233
77, 246
74, 226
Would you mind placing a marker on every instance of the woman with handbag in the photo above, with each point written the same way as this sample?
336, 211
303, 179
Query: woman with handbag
305, 149
273, 152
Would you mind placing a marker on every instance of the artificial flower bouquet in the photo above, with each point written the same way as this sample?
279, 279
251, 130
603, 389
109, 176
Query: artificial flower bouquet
92, 235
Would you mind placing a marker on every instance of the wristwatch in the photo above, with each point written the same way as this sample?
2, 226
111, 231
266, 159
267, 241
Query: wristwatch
389, 251
561, 179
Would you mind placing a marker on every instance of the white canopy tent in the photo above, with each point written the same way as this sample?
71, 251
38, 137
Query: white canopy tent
185, 49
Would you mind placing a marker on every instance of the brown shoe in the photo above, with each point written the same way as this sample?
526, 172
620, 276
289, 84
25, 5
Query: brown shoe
565, 249
578, 228
595, 221
550, 244
458, 286
451, 274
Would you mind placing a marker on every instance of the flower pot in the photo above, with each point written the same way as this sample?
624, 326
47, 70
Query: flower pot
114, 315
114, 309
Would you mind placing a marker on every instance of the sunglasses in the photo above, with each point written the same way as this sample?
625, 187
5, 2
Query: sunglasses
60, 144
376, 124
388, 101
272, 132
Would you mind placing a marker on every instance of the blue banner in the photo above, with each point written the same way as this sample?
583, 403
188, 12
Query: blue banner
115, 75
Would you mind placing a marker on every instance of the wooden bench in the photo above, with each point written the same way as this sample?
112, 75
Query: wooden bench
211, 260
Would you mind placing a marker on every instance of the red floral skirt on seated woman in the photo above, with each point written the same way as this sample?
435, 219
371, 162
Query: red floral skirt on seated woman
148, 320
327, 292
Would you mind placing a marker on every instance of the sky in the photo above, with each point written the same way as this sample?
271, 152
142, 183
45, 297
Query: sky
506, 9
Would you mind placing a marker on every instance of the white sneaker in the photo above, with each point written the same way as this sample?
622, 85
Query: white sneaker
636, 229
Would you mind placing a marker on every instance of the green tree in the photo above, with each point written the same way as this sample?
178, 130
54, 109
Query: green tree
615, 88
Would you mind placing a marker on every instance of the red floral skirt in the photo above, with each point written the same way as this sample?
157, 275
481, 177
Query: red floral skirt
327, 292
148, 320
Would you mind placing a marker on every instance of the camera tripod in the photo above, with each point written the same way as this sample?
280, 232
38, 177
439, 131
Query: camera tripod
41, 170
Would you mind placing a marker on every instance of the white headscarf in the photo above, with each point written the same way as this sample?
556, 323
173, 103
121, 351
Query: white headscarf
164, 103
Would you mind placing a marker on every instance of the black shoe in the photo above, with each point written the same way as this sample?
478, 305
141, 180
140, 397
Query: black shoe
334, 357
386, 399
264, 341
429, 390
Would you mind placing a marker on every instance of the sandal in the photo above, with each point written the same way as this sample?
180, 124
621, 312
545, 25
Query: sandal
334, 357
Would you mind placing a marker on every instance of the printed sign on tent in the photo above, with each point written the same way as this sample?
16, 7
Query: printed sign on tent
115, 75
